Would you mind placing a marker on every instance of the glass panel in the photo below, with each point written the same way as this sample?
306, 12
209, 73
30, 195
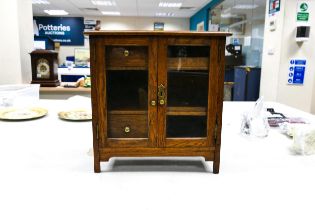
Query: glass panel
127, 92
187, 91
127, 89
186, 126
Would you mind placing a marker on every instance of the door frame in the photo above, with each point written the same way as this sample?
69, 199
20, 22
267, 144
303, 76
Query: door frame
209, 140
100, 82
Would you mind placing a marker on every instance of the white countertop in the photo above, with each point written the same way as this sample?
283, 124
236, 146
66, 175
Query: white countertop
45, 165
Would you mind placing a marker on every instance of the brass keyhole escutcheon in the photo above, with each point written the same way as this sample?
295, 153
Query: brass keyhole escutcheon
153, 103
161, 94
126, 53
127, 129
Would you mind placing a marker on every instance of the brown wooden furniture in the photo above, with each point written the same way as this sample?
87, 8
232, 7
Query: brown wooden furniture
157, 94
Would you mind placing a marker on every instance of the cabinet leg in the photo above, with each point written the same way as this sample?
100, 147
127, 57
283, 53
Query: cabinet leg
216, 166
97, 166
216, 161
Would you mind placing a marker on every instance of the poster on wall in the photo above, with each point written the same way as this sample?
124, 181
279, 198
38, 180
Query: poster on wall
303, 8
91, 25
296, 71
68, 31
158, 26
201, 26
274, 6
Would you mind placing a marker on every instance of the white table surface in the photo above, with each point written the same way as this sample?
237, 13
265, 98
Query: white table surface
44, 165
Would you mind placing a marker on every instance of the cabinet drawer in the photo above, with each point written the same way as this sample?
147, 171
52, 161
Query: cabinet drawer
124, 57
127, 126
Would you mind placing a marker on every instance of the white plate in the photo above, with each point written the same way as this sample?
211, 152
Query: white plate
76, 115
22, 113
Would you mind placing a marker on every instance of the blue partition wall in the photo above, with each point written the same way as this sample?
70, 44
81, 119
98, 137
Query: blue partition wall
202, 15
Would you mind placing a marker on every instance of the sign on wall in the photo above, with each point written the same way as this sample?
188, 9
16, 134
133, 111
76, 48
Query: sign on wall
66, 30
158, 26
274, 6
296, 72
303, 8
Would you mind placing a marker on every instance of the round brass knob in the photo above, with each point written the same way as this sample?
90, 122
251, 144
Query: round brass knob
127, 129
153, 103
126, 53
162, 102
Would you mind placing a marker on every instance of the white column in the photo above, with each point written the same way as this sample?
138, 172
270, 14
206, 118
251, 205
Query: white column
16, 41
279, 47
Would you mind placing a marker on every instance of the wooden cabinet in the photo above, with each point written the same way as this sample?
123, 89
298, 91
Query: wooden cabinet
157, 94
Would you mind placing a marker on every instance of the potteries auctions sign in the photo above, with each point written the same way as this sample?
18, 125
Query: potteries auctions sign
303, 9
66, 30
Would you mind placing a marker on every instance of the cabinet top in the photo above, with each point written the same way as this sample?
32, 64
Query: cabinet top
156, 33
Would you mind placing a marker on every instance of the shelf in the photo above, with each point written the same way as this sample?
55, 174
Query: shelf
127, 68
186, 111
190, 63
128, 112
64, 90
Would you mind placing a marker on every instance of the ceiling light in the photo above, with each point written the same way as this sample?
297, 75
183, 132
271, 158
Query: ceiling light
110, 13
245, 6
103, 3
56, 12
169, 14
170, 4
40, 2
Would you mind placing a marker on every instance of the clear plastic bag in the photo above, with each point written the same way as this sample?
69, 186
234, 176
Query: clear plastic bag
255, 121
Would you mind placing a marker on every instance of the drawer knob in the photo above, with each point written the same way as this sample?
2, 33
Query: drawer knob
127, 129
126, 53
162, 102
153, 103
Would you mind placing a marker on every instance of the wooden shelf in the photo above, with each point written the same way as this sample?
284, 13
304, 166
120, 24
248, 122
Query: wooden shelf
64, 90
186, 111
128, 68
128, 112
190, 63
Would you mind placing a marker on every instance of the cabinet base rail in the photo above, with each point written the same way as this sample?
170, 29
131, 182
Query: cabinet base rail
104, 154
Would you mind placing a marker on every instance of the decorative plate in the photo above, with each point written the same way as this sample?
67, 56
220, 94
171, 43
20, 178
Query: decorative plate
22, 113
76, 115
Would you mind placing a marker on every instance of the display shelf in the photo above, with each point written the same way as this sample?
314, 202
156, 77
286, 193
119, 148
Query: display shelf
186, 111
128, 112
188, 63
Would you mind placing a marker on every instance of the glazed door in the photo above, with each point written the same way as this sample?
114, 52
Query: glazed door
186, 90
130, 92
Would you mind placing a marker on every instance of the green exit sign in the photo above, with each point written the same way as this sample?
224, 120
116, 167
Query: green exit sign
302, 16
302, 11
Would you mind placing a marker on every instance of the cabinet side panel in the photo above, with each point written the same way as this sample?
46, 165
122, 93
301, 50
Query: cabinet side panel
94, 105
220, 62
212, 91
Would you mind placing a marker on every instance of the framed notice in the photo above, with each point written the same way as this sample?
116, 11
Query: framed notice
158, 26
274, 6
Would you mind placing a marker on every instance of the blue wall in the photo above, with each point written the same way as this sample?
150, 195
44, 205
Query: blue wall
202, 15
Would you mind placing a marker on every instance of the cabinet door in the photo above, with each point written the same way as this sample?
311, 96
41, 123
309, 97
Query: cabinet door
130, 86
186, 92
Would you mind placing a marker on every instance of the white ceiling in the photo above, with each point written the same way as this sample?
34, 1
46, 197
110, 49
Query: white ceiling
147, 8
